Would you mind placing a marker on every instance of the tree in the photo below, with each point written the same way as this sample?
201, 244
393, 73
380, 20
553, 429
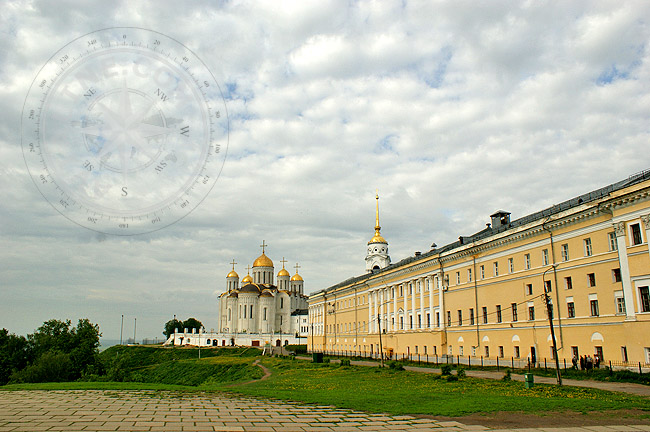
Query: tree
192, 323
172, 325
13, 354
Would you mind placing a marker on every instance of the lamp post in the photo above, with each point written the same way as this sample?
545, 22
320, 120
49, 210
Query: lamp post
121, 329
381, 348
549, 312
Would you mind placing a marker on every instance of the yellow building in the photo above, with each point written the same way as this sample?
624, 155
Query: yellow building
483, 295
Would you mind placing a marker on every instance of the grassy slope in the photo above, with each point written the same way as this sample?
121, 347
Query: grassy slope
372, 389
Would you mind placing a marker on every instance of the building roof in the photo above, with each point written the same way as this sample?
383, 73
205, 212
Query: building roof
489, 231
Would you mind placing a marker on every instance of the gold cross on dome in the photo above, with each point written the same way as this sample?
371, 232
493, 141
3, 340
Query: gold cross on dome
283, 261
296, 267
248, 269
263, 245
233, 264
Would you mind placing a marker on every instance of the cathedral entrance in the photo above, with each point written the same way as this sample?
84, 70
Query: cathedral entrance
278, 343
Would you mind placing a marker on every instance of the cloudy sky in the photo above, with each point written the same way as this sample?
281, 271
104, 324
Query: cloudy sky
452, 110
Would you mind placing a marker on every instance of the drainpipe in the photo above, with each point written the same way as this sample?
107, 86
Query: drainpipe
557, 289
478, 336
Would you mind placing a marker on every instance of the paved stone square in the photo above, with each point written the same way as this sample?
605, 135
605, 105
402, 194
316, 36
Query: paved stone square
104, 410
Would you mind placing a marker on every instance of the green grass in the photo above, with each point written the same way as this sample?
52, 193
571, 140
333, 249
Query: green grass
141, 356
97, 385
374, 389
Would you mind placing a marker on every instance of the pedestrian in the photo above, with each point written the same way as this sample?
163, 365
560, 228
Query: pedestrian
597, 361
574, 360
582, 363
589, 363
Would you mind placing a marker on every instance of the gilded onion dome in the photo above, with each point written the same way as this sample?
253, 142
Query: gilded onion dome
283, 272
232, 274
263, 261
247, 279
296, 277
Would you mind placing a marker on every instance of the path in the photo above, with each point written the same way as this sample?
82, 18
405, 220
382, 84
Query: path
267, 374
632, 388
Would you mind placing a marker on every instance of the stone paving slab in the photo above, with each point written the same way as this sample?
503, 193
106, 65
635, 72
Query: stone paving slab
151, 411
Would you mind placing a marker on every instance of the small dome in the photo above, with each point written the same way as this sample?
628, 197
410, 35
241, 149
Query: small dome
283, 272
249, 288
296, 277
247, 279
266, 293
233, 274
377, 238
263, 261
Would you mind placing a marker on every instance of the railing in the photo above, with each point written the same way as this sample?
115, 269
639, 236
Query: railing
480, 362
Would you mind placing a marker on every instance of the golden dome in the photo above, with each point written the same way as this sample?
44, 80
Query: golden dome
247, 279
233, 274
296, 277
263, 261
377, 238
283, 272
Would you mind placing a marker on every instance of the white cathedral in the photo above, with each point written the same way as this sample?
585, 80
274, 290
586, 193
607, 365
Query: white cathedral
255, 311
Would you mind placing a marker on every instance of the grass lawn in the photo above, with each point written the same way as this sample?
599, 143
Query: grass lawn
404, 392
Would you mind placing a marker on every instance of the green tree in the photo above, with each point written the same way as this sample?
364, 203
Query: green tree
172, 325
192, 323
13, 354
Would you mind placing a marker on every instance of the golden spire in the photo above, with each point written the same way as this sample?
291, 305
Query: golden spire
377, 238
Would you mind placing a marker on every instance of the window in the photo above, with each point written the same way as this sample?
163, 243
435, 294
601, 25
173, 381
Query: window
636, 234
527, 261
244, 311
547, 286
571, 309
588, 251
611, 237
624, 354
516, 351
499, 313
514, 311
411, 321
448, 318
511, 265
565, 252
599, 352
469, 275
419, 321
644, 296
437, 319
250, 315
500, 351
574, 352
457, 278
531, 313
482, 272
496, 269
471, 316
594, 307
460, 350
545, 256
529, 289
568, 283
281, 302
401, 323
591, 278
620, 305
460, 317
428, 319
485, 317
487, 351
616, 275
401, 291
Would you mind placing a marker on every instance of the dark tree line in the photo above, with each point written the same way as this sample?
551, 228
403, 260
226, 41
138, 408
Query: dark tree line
56, 351
174, 324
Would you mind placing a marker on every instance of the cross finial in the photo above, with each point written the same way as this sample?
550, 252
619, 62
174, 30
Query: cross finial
248, 269
233, 264
296, 267
263, 246
283, 261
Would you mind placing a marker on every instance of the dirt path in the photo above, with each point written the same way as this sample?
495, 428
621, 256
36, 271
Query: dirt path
267, 374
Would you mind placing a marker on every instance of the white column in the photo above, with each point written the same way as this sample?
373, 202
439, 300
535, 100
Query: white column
413, 314
422, 314
405, 288
369, 310
395, 323
380, 294
619, 229
432, 318
441, 301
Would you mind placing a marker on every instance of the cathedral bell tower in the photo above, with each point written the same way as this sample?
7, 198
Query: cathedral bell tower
377, 256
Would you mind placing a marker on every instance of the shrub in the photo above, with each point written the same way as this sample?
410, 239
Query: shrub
51, 366
507, 376
445, 369
326, 360
345, 362
298, 349
396, 366
460, 373
451, 378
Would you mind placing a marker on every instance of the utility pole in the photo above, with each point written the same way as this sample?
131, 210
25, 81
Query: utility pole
381, 348
121, 328
135, 325
549, 311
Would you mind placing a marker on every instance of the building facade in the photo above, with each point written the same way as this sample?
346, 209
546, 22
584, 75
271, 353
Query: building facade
485, 294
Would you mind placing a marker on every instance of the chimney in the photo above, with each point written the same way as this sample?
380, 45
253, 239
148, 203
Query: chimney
499, 219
